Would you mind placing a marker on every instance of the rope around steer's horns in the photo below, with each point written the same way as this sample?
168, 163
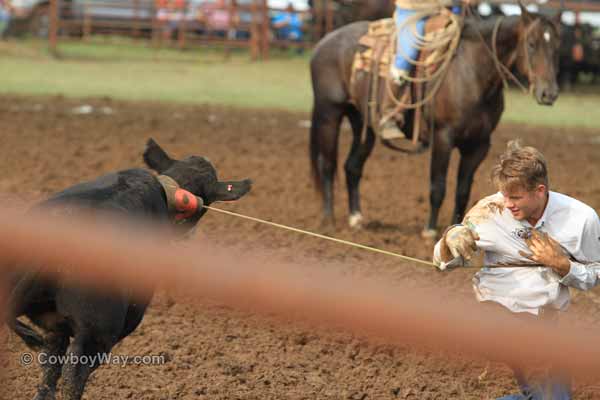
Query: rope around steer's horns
361, 246
181, 203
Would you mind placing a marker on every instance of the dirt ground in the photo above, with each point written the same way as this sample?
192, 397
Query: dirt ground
213, 352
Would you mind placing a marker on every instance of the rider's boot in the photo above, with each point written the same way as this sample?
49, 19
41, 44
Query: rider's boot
392, 119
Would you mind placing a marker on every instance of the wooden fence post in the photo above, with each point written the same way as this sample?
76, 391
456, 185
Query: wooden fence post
231, 12
254, 32
156, 31
53, 33
87, 21
318, 18
136, 18
181, 28
328, 16
265, 30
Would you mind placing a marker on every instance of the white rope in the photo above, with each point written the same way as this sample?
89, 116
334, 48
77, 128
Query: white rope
361, 246
346, 242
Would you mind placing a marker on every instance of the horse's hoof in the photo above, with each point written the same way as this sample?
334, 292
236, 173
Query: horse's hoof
327, 225
429, 233
355, 220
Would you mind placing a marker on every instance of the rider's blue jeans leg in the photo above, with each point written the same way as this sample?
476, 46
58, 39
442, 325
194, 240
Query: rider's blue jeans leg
406, 44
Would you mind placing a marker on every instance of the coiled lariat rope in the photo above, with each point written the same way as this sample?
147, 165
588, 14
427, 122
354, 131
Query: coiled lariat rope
447, 39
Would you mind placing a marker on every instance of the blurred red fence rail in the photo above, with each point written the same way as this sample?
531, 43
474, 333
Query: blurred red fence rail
111, 254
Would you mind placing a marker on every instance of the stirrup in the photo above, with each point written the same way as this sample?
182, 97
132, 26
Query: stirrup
394, 138
389, 130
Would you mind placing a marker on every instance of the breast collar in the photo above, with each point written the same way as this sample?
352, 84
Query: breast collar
181, 204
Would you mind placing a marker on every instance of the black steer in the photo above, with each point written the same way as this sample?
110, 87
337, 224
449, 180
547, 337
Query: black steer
96, 320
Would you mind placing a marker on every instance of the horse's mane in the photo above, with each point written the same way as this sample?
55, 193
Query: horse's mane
475, 27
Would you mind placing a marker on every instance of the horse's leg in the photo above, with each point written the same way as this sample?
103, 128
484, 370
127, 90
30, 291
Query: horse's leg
324, 142
440, 158
359, 152
470, 158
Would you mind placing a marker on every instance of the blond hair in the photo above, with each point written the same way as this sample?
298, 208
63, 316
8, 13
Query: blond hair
520, 167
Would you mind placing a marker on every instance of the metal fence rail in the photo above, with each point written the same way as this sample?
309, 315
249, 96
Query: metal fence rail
249, 24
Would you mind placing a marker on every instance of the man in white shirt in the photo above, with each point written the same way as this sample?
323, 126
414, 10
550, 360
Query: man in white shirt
535, 243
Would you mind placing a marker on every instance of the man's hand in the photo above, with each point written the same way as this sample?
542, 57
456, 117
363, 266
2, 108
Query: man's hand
460, 241
547, 251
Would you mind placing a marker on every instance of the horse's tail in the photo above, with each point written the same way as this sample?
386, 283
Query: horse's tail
323, 144
329, 99
314, 149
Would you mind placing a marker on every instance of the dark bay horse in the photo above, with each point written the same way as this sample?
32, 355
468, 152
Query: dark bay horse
464, 112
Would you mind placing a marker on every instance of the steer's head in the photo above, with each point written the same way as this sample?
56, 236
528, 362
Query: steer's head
196, 175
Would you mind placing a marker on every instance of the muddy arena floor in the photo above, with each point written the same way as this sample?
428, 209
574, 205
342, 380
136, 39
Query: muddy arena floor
214, 352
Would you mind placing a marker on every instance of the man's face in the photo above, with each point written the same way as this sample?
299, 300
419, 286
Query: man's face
525, 204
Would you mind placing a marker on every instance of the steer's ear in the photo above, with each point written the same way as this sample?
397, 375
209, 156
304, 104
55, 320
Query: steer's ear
232, 190
156, 158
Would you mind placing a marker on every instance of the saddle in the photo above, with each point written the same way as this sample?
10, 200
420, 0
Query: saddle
378, 51
379, 46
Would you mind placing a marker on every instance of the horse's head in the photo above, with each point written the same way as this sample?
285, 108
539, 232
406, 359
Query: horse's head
537, 54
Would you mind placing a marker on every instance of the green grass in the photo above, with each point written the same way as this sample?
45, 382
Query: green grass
135, 72
125, 69
572, 109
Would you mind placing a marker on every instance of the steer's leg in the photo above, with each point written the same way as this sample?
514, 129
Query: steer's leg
135, 313
55, 347
97, 321
82, 360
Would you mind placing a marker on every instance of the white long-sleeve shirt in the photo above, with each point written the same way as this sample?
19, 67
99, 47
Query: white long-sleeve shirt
570, 222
